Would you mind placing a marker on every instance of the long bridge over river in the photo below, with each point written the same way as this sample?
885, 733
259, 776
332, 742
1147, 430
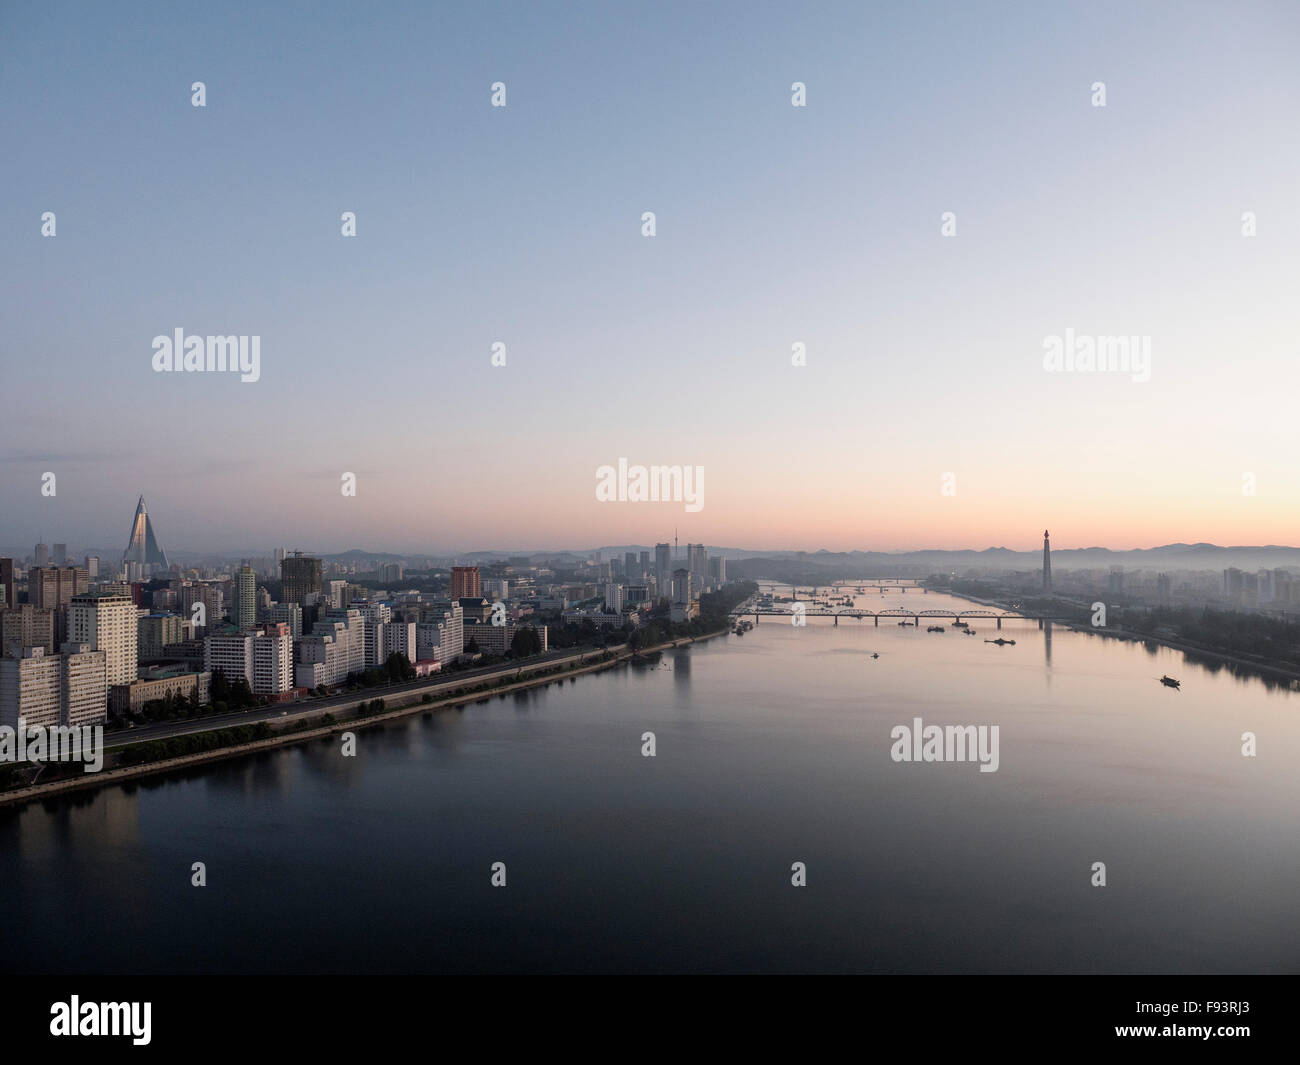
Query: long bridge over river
897, 614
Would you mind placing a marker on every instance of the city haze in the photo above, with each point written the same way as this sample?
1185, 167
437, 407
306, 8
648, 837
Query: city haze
777, 225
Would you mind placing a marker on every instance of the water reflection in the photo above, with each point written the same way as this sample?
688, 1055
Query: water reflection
768, 746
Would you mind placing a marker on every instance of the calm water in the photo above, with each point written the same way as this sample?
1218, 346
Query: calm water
772, 748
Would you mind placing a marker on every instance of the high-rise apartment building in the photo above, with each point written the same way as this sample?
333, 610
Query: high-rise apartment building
1115, 581
682, 586
399, 638
212, 599
374, 617
718, 570
245, 613
335, 649
1234, 584
300, 577
53, 586
272, 664
663, 571
1266, 586
107, 623
31, 689
156, 632
440, 634
697, 561
684, 605
232, 654
45, 690
8, 585
28, 626
289, 614
83, 684
465, 582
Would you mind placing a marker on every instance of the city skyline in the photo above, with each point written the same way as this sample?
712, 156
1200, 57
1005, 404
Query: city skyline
142, 546
575, 546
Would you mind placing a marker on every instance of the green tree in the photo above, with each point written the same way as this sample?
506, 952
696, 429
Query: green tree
526, 642
399, 668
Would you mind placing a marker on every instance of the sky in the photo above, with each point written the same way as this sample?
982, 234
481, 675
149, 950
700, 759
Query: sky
924, 416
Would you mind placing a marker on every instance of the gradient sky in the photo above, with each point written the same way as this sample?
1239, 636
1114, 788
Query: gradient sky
775, 225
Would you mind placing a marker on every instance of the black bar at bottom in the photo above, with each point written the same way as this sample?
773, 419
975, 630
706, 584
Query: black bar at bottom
1243, 1014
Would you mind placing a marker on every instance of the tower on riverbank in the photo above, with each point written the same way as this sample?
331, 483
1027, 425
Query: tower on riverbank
1047, 563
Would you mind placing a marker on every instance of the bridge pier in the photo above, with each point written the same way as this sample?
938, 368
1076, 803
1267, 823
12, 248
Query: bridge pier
1040, 624
999, 623
837, 621
877, 620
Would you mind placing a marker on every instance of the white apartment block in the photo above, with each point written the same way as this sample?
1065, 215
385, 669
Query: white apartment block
107, 623
47, 690
441, 636
273, 661
335, 648
84, 693
31, 688
400, 638
232, 653
318, 662
375, 616
352, 638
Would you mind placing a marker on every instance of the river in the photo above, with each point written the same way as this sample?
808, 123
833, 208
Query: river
770, 749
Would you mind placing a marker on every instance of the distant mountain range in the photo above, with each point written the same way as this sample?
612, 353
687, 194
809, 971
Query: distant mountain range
920, 563
748, 563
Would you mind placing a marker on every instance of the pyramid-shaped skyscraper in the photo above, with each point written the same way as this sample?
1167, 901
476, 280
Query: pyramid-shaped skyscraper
143, 547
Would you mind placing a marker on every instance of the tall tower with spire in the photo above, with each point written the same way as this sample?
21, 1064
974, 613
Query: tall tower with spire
143, 546
1047, 563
